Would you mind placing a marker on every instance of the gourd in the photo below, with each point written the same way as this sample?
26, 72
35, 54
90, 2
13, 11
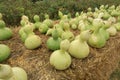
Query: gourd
59, 29
60, 59
79, 47
5, 33
43, 28
53, 43
74, 23
117, 26
60, 14
4, 52
106, 15
37, 21
33, 42
103, 30
97, 39
12, 73
5, 72
25, 31
48, 21
24, 20
112, 30
19, 73
67, 34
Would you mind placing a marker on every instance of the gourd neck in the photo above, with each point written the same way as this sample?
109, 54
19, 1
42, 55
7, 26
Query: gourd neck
62, 51
97, 29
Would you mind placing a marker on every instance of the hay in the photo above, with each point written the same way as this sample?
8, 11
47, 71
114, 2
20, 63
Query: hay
97, 66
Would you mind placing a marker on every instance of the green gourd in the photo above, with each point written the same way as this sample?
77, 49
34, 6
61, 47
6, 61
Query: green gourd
53, 43
25, 31
5, 33
4, 52
59, 29
48, 21
24, 20
103, 30
117, 26
12, 73
43, 28
32, 42
37, 21
67, 34
60, 59
106, 15
60, 14
74, 23
112, 30
49, 31
79, 47
18, 74
5, 72
97, 39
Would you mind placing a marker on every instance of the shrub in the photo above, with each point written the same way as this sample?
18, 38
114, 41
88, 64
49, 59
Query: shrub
12, 10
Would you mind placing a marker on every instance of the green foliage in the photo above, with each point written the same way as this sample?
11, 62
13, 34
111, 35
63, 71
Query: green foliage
12, 10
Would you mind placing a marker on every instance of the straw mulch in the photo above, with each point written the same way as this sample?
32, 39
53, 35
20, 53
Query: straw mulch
97, 66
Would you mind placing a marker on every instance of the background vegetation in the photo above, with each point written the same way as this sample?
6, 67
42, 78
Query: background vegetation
12, 10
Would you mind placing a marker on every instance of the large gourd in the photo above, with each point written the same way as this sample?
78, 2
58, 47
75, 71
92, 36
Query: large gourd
61, 59
79, 47
5, 33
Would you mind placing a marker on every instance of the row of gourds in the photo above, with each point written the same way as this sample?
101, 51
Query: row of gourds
95, 29
7, 72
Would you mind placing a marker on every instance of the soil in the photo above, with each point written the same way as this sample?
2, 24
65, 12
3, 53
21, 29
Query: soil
97, 66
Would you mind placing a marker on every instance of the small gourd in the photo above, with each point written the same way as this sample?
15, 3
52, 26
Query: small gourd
43, 28
4, 52
60, 14
48, 21
97, 39
25, 31
67, 34
104, 28
5, 33
79, 47
37, 21
24, 20
53, 43
112, 30
61, 59
59, 29
117, 26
